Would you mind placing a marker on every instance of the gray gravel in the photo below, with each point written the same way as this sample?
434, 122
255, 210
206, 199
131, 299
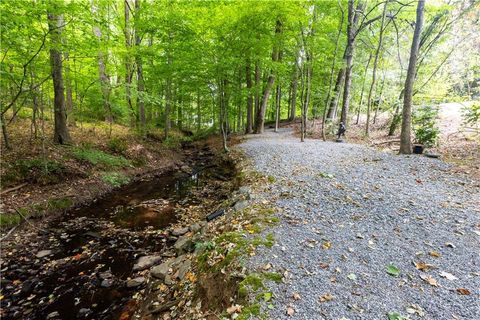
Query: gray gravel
375, 209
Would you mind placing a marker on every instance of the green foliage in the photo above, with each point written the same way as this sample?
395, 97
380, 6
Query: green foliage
36, 170
115, 179
99, 158
471, 115
59, 204
117, 145
393, 270
9, 219
425, 125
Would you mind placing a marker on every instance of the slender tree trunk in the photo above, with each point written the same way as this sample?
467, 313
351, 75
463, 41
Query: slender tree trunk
223, 113
405, 136
199, 112
6, 138
374, 72
69, 101
363, 89
259, 125
277, 107
140, 81
248, 74
294, 88
61, 134
353, 16
332, 110
102, 71
380, 99
34, 93
258, 76
128, 63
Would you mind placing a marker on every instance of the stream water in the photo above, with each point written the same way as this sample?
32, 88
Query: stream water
89, 252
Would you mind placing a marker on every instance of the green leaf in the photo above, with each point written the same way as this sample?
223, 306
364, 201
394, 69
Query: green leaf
270, 306
393, 270
396, 316
352, 276
267, 296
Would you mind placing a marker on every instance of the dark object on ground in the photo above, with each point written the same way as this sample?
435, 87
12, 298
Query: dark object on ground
339, 140
418, 148
215, 214
432, 155
341, 131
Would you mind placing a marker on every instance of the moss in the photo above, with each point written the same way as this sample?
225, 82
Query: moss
59, 204
273, 276
99, 158
271, 179
250, 311
269, 240
115, 179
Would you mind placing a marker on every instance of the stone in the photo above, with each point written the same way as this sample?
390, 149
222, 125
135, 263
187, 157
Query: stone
161, 271
53, 315
105, 275
43, 253
146, 262
184, 245
183, 269
179, 231
240, 205
106, 283
198, 227
135, 282
168, 280
84, 312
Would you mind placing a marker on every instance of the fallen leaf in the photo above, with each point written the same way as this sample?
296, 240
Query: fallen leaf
326, 297
448, 276
352, 276
396, 316
430, 280
450, 245
423, 266
267, 296
463, 291
233, 309
327, 245
267, 266
434, 254
324, 265
393, 270
416, 309
296, 296
290, 311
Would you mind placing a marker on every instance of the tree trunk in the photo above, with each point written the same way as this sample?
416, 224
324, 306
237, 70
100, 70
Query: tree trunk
374, 72
353, 16
140, 81
34, 93
258, 76
259, 125
332, 110
102, 71
277, 107
405, 136
69, 102
199, 112
380, 99
294, 88
6, 138
363, 89
248, 71
128, 63
61, 134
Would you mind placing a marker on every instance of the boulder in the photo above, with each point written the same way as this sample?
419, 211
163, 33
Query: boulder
183, 269
135, 282
179, 231
198, 227
184, 245
43, 253
146, 262
161, 271
240, 205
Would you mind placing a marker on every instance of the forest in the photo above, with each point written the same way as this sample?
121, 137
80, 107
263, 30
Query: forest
126, 122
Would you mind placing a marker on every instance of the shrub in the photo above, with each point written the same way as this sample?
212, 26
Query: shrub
115, 179
471, 115
425, 127
97, 157
117, 145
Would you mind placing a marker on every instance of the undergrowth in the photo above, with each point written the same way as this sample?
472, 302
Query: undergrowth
99, 158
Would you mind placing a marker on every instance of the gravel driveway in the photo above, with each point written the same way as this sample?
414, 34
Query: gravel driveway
348, 212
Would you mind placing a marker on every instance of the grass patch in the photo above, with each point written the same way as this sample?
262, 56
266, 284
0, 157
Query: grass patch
59, 204
117, 145
36, 170
9, 219
115, 179
99, 158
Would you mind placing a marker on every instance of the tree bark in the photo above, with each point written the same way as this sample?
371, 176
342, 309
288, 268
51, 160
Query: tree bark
277, 106
128, 63
140, 81
69, 102
61, 134
405, 136
294, 88
374, 72
102, 71
363, 89
259, 125
353, 16
248, 74
332, 110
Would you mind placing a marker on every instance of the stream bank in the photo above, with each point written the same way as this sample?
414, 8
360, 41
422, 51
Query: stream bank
81, 264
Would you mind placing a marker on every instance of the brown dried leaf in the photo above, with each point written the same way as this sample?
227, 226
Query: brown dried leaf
326, 297
290, 311
430, 280
296, 296
423, 266
463, 291
435, 254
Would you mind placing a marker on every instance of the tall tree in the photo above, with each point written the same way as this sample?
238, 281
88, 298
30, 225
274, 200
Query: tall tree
139, 64
405, 136
61, 134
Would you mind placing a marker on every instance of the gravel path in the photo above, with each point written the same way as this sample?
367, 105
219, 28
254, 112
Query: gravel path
347, 212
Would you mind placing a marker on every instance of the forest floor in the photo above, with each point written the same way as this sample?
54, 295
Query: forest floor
365, 234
